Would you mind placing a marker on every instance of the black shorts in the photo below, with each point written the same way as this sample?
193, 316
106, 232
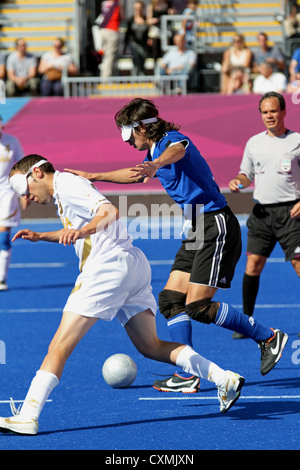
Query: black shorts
213, 264
272, 223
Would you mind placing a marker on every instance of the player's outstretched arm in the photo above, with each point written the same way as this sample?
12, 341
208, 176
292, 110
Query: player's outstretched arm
122, 176
32, 236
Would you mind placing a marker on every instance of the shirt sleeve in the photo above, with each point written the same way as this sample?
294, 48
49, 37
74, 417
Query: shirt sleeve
247, 167
83, 197
296, 55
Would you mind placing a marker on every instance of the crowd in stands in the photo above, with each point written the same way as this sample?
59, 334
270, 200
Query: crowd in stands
25, 74
242, 70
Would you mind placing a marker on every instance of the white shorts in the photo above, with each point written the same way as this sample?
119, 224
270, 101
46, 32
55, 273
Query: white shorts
9, 209
115, 285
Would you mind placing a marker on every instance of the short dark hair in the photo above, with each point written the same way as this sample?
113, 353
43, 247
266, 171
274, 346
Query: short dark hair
139, 109
23, 165
273, 94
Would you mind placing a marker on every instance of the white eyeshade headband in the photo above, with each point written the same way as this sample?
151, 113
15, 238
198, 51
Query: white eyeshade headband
19, 181
126, 131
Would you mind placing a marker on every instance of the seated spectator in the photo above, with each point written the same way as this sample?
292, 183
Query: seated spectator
292, 22
136, 38
294, 85
238, 55
239, 82
2, 67
21, 68
52, 65
268, 80
178, 60
294, 67
267, 53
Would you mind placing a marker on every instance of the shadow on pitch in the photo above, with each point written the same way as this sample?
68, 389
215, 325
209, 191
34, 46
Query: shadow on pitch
246, 410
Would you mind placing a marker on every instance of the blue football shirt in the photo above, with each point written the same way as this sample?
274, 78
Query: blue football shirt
190, 180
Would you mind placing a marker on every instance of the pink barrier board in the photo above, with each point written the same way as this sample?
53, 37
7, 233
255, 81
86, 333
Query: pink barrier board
81, 133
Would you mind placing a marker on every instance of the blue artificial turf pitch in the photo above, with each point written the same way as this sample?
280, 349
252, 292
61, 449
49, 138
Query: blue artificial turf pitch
84, 413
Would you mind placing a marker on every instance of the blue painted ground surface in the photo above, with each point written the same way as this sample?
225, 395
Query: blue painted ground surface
85, 413
12, 107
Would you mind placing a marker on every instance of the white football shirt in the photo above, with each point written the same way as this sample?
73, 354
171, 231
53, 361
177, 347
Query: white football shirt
77, 201
10, 153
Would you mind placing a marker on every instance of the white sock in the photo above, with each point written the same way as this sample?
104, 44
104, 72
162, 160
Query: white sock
41, 387
5, 256
197, 365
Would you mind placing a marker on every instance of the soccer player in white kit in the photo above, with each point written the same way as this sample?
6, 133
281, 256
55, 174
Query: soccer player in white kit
10, 152
114, 281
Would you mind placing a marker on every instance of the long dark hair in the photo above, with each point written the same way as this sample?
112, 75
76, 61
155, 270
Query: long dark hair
139, 109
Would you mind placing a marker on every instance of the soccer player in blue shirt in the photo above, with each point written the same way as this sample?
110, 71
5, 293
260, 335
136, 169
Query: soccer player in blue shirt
208, 255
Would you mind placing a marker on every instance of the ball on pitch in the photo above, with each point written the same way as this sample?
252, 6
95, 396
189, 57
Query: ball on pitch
119, 371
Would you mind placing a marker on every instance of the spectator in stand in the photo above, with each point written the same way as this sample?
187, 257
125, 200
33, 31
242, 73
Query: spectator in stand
136, 38
239, 82
292, 22
294, 67
155, 10
267, 53
268, 80
111, 14
21, 68
2, 67
238, 55
179, 60
294, 85
188, 24
52, 65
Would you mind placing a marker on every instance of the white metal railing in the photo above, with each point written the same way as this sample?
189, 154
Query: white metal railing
211, 19
123, 86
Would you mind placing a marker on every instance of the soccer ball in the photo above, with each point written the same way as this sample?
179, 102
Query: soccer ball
119, 371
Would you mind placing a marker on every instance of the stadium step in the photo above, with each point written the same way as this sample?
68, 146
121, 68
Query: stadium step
220, 21
39, 23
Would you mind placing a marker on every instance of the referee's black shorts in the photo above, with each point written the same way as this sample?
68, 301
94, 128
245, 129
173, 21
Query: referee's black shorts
272, 223
214, 262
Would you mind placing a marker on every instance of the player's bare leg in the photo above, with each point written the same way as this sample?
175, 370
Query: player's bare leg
70, 331
142, 332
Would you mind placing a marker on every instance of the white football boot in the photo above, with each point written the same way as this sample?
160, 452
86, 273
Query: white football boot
17, 424
230, 390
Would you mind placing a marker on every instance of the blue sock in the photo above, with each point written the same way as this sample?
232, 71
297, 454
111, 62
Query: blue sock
230, 318
180, 329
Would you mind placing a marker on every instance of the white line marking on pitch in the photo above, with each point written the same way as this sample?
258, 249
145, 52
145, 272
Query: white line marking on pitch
20, 401
37, 265
253, 397
30, 310
55, 309
158, 262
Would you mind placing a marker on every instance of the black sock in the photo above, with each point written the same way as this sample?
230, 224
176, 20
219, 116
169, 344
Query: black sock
250, 290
